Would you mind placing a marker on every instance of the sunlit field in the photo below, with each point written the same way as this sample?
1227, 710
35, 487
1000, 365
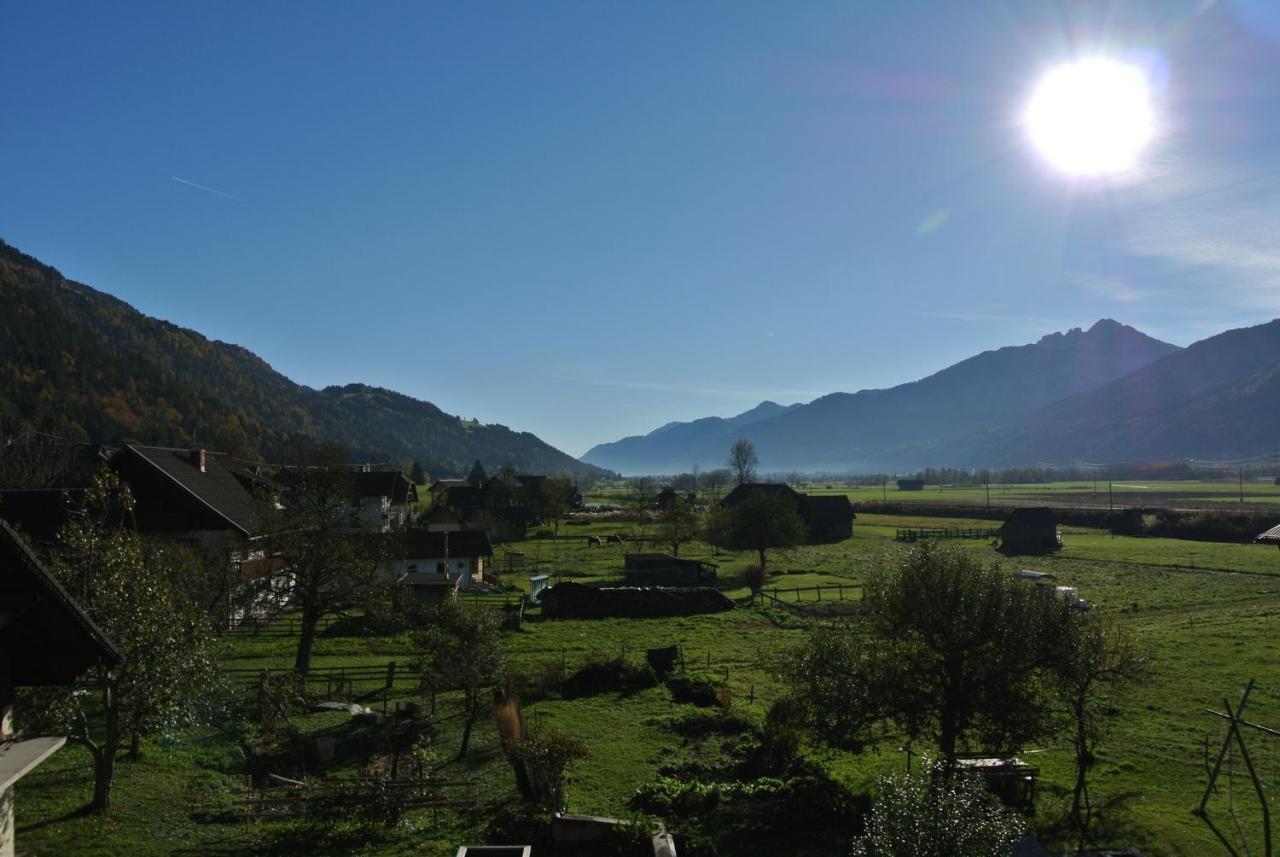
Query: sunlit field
1208, 612
1257, 493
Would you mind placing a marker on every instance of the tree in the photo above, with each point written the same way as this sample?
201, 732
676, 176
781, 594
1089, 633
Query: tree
328, 565
764, 522
167, 666
677, 523
1098, 660
461, 649
714, 481
920, 814
967, 649
477, 477
831, 688
548, 499
417, 474
743, 460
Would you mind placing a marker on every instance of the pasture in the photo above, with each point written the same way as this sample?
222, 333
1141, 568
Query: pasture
1208, 612
1258, 493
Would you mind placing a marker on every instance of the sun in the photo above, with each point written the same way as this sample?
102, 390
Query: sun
1091, 117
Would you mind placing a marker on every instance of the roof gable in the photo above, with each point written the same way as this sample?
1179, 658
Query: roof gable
223, 486
56, 639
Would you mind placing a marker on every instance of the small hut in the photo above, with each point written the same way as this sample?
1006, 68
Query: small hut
1270, 537
1030, 531
910, 484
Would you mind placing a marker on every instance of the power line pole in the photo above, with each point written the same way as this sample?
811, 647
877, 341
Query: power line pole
1111, 499
1240, 478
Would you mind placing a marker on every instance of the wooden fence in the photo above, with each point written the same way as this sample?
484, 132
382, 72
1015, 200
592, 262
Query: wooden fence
914, 534
368, 682
805, 600
292, 799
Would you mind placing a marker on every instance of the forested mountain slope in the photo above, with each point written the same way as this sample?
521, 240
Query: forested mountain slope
83, 363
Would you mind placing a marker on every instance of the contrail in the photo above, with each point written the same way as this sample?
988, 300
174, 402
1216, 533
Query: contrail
204, 187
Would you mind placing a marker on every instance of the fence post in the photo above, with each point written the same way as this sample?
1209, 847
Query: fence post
391, 682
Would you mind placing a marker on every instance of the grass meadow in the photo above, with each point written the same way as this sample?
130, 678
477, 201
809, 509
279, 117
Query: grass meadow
1209, 614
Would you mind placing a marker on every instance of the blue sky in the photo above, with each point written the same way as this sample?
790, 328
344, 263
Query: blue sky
587, 219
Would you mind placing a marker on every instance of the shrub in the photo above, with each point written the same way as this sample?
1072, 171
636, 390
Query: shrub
932, 815
699, 688
616, 674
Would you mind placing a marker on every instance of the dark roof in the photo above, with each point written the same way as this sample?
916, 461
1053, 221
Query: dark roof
448, 483
1038, 516
49, 637
386, 483
421, 544
224, 486
746, 489
1271, 536
826, 505
641, 561
39, 512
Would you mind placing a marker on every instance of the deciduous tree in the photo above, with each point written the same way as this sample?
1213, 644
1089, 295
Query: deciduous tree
461, 650
1098, 661
764, 522
678, 523
743, 460
167, 674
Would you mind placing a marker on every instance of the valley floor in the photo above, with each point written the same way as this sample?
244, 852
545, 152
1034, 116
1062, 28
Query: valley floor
1208, 612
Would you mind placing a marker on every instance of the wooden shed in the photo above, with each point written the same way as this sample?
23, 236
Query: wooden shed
663, 569
1030, 531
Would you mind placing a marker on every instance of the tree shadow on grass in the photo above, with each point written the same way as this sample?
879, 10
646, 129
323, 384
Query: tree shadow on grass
1111, 824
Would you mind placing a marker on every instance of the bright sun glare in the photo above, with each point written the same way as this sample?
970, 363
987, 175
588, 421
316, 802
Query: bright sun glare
1091, 117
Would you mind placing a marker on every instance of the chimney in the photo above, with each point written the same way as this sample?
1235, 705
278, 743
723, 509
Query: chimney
198, 458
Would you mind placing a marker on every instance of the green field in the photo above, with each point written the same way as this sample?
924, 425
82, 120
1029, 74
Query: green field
1208, 612
1259, 493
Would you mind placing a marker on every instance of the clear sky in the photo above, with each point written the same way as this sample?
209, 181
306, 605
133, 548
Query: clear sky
587, 219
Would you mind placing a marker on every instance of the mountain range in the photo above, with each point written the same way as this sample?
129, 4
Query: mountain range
83, 364
1107, 394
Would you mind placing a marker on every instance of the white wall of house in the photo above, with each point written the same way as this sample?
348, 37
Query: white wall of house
468, 569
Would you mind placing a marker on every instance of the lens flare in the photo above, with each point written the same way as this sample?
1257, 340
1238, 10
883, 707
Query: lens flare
1091, 117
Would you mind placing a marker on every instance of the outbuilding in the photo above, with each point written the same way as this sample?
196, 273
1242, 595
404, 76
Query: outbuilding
46, 639
1030, 531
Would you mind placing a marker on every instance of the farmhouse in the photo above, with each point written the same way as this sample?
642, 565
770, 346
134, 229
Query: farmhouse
387, 498
910, 484
45, 639
1030, 531
457, 554
828, 518
571, 600
192, 495
663, 569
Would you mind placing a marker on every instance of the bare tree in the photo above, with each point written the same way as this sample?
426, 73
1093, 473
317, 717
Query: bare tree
743, 460
714, 482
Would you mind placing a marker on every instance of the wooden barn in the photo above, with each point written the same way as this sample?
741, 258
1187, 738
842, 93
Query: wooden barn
663, 569
829, 518
910, 484
1030, 531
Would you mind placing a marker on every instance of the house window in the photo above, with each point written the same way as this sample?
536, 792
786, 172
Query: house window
411, 568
